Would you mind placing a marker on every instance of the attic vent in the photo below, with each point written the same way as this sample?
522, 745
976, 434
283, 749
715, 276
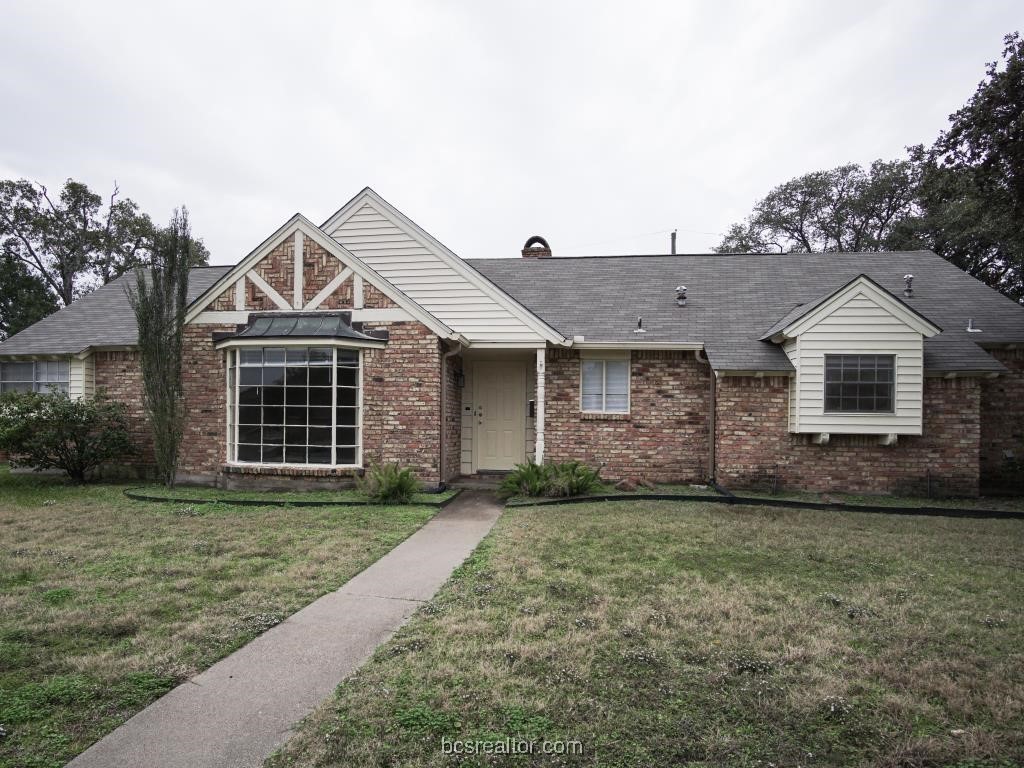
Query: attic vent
536, 248
909, 290
681, 295
970, 326
639, 326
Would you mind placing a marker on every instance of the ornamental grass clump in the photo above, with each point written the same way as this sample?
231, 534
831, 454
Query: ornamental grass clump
389, 484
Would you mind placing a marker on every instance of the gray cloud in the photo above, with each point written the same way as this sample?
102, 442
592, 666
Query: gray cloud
600, 125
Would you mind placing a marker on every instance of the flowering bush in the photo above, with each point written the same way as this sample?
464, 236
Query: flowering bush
52, 431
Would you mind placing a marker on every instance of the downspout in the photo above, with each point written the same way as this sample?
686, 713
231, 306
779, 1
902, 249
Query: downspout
712, 408
442, 468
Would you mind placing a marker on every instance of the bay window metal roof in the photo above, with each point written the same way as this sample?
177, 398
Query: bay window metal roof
303, 325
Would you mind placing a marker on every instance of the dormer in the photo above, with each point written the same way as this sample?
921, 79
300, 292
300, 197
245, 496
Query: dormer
859, 358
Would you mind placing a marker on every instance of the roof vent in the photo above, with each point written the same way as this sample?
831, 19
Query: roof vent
639, 326
536, 248
909, 290
970, 326
681, 295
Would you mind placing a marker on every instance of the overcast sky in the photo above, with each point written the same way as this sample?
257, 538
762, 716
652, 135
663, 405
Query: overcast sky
600, 125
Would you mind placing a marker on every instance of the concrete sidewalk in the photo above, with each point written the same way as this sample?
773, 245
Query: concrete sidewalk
236, 713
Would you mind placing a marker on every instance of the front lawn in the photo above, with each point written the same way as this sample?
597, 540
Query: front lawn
667, 633
107, 603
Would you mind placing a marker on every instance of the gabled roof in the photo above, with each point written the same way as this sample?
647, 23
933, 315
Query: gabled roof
299, 223
801, 316
430, 273
103, 318
734, 298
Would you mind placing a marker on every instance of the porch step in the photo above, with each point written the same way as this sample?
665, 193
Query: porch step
485, 482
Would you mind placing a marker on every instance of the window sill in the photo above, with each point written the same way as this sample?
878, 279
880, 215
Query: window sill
291, 470
597, 416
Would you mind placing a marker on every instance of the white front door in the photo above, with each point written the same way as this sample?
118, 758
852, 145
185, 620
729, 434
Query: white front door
499, 397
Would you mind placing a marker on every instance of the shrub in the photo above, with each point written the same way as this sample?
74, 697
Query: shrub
527, 479
572, 478
52, 431
389, 484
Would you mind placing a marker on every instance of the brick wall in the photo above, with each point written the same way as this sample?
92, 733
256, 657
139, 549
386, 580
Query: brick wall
119, 377
402, 400
1002, 423
663, 438
453, 419
752, 438
204, 383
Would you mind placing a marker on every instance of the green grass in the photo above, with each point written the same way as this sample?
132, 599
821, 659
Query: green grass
341, 496
1010, 504
700, 634
107, 603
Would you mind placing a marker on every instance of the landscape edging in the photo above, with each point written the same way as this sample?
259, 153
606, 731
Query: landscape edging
131, 493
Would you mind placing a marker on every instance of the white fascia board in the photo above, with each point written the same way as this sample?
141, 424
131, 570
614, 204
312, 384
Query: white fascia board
866, 287
652, 345
431, 243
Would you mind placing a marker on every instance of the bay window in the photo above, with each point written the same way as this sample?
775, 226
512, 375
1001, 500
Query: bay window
294, 405
604, 386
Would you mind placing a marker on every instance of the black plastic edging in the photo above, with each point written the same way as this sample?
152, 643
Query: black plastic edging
132, 494
792, 504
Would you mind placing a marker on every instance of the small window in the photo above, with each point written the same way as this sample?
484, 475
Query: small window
605, 386
38, 376
859, 383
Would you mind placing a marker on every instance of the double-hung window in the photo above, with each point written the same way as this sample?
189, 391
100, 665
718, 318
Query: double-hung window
35, 376
295, 406
604, 386
860, 383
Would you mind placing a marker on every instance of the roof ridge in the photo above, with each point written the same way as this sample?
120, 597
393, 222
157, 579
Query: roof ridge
716, 255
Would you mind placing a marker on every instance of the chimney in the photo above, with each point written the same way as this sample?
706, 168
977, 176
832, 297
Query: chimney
536, 248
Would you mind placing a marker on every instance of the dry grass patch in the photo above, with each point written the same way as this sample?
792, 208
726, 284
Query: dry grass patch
105, 603
660, 633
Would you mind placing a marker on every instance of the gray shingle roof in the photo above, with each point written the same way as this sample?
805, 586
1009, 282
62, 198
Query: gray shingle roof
101, 318
733, 299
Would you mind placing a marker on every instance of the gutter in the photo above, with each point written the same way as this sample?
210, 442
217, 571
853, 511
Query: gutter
441, 479
712, 409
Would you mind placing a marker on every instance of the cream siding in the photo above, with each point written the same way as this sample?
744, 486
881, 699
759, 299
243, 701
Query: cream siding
82, 377
860, 325
425, 277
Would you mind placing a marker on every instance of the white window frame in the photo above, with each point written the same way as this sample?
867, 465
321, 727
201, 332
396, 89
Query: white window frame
37, 384
824, 383
604, 360
233, 360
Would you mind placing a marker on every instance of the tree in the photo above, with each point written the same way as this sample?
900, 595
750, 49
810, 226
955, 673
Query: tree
972, 179
73, 241
52, 431
845, 209
159, 301
24, 297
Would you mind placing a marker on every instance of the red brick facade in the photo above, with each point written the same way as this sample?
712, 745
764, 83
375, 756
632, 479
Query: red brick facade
663, 438
753, 442
1002, 423
453, 418
119, 377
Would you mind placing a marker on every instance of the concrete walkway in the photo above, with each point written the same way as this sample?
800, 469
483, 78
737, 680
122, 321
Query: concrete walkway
236, 713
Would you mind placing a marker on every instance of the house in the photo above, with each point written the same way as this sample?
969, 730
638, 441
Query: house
366, 340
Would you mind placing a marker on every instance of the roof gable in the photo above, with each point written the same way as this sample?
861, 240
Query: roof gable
432, 275
811, 313
294, 299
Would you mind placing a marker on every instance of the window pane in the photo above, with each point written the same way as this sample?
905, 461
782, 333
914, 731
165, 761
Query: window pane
617, 377
592, 402
273, 435
273, 414
248, 434
250, 376
295, 416
248, 415
593, 377
296, 355
274, 356
320, 356
248, 453
320, 396
251, 356
273, 395
273, 454
16, 372
859, 383
273, 376
347, 396
295, 454
249, 395
320, 436
320, 416
321, 377
295, 395
616, 403
347, 436
348, 357
322, 456
346, 455
295, 435
348, 377
346, 417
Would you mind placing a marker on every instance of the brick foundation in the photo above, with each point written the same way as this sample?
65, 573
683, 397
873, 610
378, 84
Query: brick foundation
753, 442
664, 438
